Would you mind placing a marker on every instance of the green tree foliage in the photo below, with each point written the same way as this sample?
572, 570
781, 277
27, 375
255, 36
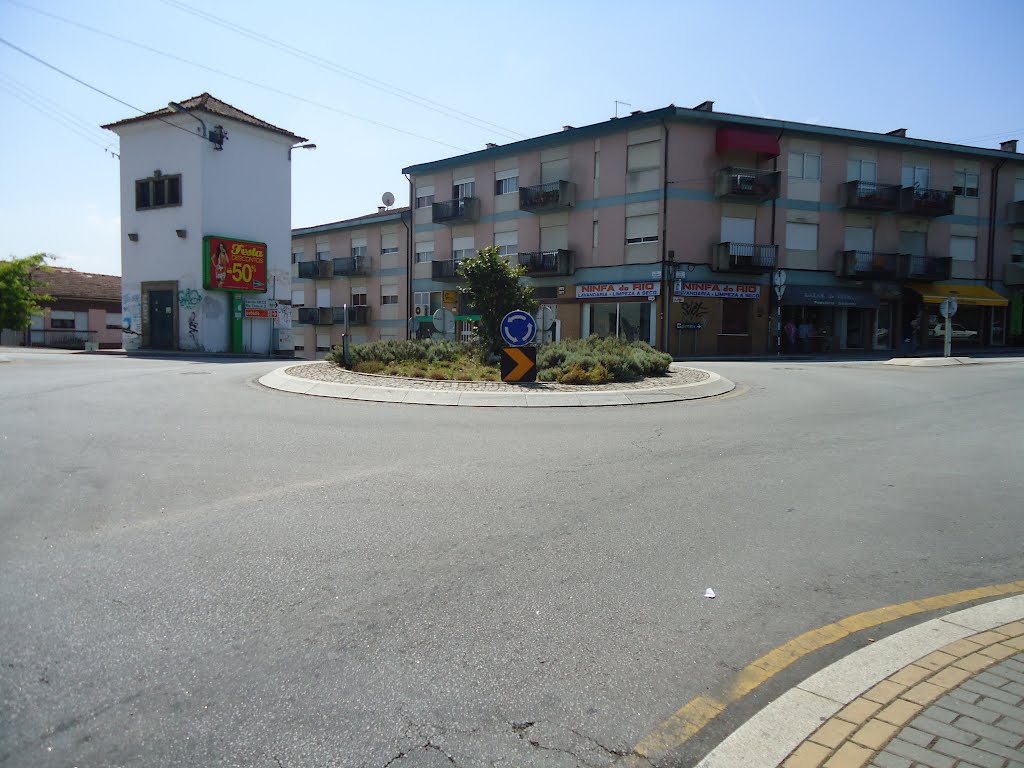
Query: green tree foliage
18, 299
493, 288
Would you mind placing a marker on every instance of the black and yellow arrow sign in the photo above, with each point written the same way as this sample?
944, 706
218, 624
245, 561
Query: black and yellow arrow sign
519, 364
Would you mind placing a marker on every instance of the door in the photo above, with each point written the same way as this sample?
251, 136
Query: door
161, 319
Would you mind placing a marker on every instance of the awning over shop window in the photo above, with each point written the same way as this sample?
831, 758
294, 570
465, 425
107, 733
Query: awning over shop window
739, 140
829, 296
977, 295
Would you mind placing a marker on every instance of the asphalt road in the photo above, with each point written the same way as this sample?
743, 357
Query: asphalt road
195, 570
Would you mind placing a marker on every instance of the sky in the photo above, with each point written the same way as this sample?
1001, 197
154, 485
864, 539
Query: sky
380, 86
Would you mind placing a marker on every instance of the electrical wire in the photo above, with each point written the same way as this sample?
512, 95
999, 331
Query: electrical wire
237, 78
52, 110
361, 77
53, 116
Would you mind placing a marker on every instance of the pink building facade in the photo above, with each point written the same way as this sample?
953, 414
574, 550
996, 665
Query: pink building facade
709, 233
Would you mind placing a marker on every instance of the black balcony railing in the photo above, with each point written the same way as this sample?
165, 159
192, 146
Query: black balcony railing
927, 268
316, 316
1015, 213
553, 196
744, 257
445, 270
868, 196
926, 202
350, 265
557, 262
358, 315
455, 211
315, 270
868, 265
747, 185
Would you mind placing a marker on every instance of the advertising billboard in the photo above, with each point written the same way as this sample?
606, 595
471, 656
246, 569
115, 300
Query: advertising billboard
234, 265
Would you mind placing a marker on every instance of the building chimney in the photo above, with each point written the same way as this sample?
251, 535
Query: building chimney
636, 112
490, 145
381, 208
705, 106
1009, 146
568, 127
900, 132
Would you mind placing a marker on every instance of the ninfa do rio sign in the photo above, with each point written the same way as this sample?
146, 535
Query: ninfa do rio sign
234, 265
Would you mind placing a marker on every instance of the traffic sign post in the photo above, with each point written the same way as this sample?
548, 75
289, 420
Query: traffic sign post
519, 364
518, 328
947, 309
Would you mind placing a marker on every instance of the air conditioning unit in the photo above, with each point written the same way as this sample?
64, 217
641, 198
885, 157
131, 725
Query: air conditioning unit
422, 310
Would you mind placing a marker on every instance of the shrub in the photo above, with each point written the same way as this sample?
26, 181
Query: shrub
568, 361
368, 366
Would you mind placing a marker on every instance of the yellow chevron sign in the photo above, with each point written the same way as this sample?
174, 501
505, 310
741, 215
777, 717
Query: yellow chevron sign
519, 364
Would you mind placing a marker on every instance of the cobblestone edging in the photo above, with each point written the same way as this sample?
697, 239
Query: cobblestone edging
961, 706
332, 373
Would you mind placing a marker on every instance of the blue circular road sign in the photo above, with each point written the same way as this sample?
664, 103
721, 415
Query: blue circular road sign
518, 328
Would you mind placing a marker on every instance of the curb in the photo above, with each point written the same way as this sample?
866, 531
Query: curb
284, 382
900, 675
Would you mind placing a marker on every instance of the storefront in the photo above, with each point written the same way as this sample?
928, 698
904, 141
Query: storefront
718, 318
820, 318
625, 310
980, 316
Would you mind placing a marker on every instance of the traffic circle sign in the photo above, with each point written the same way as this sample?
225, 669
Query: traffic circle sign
518, 328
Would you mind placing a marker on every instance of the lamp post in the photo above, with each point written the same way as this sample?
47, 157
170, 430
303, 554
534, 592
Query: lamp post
299, 146
216, 136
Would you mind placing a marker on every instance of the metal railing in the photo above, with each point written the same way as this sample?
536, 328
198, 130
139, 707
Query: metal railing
316, 316
928, 268
445, 270
350, 265
871, 264
926, 202
60, 338
357, 315
315, 270
749, 257
556, 262
547, 197
870, 196
747, 184
460, 209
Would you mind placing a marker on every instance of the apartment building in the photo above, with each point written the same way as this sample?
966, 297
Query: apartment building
350, 276
709, 233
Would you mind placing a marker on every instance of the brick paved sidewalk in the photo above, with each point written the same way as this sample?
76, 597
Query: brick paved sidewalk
961, 706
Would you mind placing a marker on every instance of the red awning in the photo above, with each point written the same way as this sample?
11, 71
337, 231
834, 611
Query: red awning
739, 140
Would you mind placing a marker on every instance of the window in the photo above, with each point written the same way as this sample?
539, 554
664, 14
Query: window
388, 244
323, 342
323, 252
424, 252
862, 170
507, 243
298, 298
463, 188
1017, 252
595, 235
916, 176
297, 254
158, 191
642, 229
965, 184
462, 248
358, 297
962, 248
421, 298
506, 182
359, 246
389, 294
805, 165
113, 321
323, 297
62, 322
736, 316
801, 237
300, 347
642, 157
424, 196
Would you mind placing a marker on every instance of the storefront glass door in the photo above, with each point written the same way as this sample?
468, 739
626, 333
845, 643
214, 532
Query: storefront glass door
630, 321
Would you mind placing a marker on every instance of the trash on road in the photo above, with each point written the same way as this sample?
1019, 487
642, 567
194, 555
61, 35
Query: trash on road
709, 592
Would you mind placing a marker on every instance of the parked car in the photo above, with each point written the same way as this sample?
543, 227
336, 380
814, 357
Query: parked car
958, 331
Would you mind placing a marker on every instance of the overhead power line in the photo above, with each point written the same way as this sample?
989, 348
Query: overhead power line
353, 74
53, 111
237, 78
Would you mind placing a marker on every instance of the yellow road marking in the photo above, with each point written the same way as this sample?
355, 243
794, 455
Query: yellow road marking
689, 720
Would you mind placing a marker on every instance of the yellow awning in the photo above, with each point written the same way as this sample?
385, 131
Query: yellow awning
978, 295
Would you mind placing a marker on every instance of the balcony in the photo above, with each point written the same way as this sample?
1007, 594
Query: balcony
544, 198
315, 270
539, 263
350, 265
868, 196
1015, 213
744, 257
357, 315
747, 185
868, 265
916, 201
445, 270
464, 210
316, 315
927, 268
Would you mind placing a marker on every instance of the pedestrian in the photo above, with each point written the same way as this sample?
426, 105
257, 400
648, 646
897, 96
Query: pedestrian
790, 330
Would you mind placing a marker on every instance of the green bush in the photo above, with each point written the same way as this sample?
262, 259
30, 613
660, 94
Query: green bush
406, 350
368, 366
595, 360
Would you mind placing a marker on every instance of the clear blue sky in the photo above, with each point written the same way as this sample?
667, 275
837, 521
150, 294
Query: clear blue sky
949, 71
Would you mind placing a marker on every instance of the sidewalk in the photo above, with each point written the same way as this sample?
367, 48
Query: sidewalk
948, 693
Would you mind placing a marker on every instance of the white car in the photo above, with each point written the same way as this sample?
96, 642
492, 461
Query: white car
957, 332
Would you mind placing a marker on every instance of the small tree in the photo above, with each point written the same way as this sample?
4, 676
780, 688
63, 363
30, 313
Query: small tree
18, 298
493, 289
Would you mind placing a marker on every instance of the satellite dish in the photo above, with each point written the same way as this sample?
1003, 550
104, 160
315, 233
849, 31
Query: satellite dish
444, 321
388, 199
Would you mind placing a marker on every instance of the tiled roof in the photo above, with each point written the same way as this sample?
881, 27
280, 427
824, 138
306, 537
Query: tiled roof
206, 103
66, 283
389, 215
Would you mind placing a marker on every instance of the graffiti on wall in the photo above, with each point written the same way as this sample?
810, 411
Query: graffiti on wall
693, 310
193, 330
189, 298
131, 320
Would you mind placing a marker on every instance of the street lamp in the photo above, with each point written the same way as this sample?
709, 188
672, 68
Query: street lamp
299, 146
215, 136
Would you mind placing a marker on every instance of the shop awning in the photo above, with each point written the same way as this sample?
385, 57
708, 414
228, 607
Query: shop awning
829, 296
738, 140
977, 295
